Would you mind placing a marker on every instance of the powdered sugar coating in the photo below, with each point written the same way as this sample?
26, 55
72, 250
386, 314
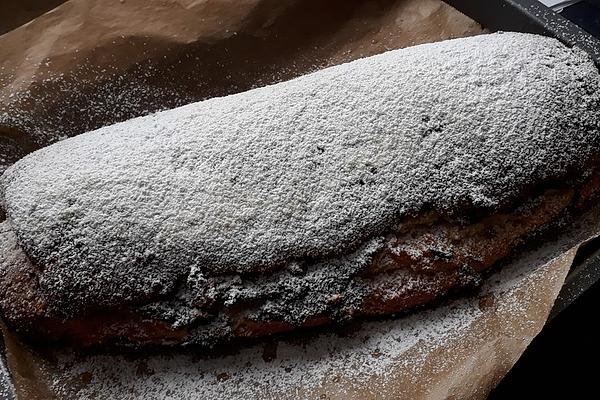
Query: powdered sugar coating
308, 168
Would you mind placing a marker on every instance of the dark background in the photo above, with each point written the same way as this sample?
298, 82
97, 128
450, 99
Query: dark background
561, 360
586, 14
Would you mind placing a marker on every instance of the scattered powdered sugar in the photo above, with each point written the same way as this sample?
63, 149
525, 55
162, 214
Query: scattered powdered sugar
6, 390
295, 369
58, 105
309, 168
326, 365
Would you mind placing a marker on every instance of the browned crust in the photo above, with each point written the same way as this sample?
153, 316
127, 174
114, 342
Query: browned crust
426, 258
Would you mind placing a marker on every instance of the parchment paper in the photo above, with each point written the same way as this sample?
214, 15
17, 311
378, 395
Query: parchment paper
88, 63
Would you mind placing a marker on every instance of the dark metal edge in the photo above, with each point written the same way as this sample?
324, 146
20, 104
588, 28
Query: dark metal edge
529, 16
583, 275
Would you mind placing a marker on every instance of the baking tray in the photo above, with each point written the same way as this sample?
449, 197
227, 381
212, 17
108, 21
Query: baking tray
498, 15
